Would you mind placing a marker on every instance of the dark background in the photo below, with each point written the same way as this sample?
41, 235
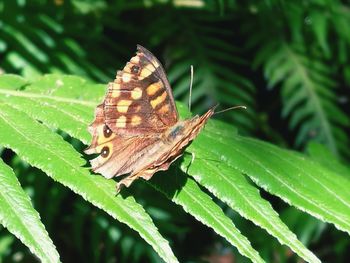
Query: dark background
287, 61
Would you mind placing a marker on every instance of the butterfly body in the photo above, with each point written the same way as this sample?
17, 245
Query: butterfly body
136, 129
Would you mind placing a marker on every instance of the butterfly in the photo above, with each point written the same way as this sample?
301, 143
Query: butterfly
136, 130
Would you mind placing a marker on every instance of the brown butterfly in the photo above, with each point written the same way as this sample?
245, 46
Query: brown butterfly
137, 130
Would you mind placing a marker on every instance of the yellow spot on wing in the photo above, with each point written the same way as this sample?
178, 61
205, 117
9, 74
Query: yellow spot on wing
153, 88
137, 108
115, 93
158, 100
164, 109
116, 86
127, 67
136, 93
135, 120
115, 90
121, 122
146, 71
126, 77
155, 63
135, 59
123, 105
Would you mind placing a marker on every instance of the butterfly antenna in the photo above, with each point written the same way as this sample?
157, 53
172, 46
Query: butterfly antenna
191, 83
231, 108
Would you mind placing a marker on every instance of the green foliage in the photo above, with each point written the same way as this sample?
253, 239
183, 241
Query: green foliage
300, 61
42, 41
307, 96
276, 170
47, 151
288, 62
21, 219
213, 61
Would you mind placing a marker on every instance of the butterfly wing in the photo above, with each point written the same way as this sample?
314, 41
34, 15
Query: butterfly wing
117, 155
136, 130
162, 153
138, 108
140, 101
139, 156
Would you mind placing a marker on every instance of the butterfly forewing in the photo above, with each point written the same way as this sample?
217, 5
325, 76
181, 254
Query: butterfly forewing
139, 101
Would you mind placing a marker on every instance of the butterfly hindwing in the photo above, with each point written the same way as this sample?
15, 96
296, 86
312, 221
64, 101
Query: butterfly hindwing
117, 155
162, 153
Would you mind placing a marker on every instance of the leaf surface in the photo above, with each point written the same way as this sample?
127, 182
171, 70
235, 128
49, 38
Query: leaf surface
47, 151
20, 218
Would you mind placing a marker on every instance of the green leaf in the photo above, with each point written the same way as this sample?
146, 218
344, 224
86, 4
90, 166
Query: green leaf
47, 151
60, 105
56, 102
320, 24
21, 219
293, 177
307, 90
27, 43
185, 192
12, 82
212, 170
323, 156
217, 167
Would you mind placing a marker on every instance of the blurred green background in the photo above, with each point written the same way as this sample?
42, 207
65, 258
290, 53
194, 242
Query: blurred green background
287, 61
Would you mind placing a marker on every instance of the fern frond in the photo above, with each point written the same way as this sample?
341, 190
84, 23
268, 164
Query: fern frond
308, 94
218, 69
38, 43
